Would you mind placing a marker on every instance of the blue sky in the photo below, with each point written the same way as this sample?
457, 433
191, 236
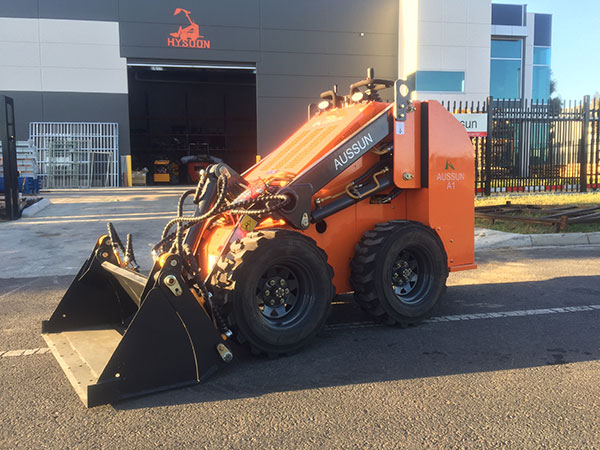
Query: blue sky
575, 43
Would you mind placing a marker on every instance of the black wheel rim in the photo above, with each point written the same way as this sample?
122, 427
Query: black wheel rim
283, 294
411, 275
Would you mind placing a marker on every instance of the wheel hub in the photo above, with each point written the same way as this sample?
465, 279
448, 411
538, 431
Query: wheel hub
405, 274
276, 296
275, 291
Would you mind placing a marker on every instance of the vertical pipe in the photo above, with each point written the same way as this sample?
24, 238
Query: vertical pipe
583, 152
561, 148
116, 148
488, 149
596, 147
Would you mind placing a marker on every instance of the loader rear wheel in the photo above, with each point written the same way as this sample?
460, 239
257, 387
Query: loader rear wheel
277, 289
399, 272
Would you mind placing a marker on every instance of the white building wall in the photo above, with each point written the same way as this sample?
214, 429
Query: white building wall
52, 55
452, 35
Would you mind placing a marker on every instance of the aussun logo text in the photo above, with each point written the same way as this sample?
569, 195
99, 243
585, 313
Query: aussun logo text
352, 152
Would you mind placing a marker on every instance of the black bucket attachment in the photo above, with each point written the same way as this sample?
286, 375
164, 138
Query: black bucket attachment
118, 334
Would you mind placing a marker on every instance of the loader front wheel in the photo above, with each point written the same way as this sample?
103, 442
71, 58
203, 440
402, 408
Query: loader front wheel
399, 272
276, 288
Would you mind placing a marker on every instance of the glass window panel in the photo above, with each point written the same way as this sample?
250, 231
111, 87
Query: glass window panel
507, 15
505, 78
541, 55
440, 81
541, 83
506, 49
542, 33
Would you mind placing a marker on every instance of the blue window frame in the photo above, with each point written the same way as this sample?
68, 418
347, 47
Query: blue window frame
506, 68
507, 14
540, 86
541, 83
432, 80
506, 49
541, 56
542, 30
505, 78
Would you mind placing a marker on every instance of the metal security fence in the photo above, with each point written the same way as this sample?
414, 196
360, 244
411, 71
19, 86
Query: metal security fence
536, 146
76, 154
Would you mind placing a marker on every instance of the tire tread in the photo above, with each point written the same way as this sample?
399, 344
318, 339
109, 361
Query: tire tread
230, 267
363, 270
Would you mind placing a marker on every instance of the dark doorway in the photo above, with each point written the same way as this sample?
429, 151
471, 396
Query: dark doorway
185, 115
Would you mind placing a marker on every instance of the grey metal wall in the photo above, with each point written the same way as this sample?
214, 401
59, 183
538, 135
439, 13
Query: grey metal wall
71, 107
299, 47
61, 9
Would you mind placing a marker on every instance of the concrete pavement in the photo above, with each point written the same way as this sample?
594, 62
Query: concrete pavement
57, 239
486, 239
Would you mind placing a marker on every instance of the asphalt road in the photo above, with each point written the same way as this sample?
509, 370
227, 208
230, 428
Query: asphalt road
512, 360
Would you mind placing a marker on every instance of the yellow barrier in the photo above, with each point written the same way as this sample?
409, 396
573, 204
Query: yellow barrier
128, 165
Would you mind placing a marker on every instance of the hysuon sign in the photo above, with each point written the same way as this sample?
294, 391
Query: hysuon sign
188, 36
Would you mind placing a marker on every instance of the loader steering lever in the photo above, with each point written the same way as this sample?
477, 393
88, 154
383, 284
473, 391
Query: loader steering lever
332, 95
371, 84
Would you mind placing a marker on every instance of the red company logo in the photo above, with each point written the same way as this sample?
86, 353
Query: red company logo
188, 36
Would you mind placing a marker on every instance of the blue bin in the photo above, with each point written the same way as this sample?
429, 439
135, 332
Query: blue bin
27, 185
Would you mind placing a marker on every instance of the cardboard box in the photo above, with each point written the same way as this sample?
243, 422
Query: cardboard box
138, 178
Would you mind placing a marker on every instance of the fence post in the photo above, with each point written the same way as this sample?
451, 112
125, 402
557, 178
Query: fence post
9, 157
583, 149
488, 149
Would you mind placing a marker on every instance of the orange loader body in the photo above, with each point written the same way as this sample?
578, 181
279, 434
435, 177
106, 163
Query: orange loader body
443, 204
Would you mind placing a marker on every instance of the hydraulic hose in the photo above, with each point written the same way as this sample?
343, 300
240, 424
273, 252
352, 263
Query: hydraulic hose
203, 194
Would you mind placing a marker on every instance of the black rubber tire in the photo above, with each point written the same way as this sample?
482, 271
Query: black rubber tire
372, 270
240, 283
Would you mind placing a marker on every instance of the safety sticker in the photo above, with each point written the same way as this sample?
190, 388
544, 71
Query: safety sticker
248, 224
399, 127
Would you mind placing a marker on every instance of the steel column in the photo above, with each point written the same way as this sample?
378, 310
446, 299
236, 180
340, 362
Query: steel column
9, 156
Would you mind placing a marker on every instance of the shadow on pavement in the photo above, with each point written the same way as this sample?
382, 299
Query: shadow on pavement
349, 356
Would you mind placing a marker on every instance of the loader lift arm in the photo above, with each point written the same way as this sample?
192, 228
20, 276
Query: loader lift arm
314, 178
322, 172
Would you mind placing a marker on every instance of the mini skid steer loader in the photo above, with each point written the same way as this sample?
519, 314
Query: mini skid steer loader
367, 196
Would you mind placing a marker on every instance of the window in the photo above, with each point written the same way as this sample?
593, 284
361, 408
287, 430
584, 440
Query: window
542, 30
541, 83
505, 79
431, 80
507, 15
540, 86
506, 68
541, 55
506, 49
542, 39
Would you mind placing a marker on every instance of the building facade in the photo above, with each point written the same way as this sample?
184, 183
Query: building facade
469, 49
233, 78
445, 48
244, 87
520, 53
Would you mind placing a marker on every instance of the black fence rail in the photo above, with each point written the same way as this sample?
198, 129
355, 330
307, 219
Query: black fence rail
535, 146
